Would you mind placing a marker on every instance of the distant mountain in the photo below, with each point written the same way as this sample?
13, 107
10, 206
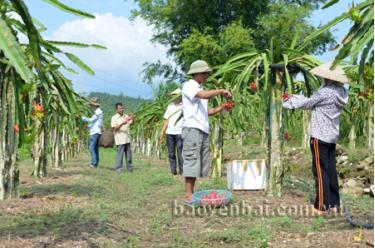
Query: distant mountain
108, 101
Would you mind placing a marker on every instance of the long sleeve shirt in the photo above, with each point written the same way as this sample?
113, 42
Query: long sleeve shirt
326, 105
95, 122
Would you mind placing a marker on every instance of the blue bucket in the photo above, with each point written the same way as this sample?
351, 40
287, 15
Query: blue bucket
223, 197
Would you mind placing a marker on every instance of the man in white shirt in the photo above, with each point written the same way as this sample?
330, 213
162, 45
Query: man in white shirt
195, 131
95, 123
120, 123
173, 127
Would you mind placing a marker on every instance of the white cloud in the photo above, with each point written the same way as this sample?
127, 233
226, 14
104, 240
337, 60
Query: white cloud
128, 46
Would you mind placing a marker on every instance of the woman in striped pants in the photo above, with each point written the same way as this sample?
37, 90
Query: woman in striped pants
326, 105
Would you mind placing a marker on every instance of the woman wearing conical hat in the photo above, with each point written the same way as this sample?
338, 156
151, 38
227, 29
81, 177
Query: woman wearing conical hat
172, 127
326, 105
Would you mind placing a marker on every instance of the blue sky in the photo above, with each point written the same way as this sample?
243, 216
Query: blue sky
118, 68
53, 18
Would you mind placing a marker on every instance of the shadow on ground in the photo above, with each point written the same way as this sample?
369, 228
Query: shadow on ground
69, 189
66, 225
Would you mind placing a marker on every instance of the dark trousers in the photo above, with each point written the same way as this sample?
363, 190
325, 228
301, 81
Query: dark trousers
121, 151
324, 171
175, 142
94, 149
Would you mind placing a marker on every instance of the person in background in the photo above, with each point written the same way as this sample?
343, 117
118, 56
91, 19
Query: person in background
195, 151
95, 124
172, 126
326, 105
120, 124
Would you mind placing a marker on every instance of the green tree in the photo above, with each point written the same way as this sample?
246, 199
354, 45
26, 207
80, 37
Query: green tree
175, 20
215, 49
286, 19
185, 27
314, 4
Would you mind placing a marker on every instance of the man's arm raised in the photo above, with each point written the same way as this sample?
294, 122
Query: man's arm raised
206, 94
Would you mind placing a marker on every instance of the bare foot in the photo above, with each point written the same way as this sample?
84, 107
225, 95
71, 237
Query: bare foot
333, 210
188, 197
318, 212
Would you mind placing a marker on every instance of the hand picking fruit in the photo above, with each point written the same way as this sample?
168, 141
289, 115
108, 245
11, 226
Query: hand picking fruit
228, 105
286, 96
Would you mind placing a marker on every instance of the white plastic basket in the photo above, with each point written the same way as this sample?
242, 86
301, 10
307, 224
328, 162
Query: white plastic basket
246, 174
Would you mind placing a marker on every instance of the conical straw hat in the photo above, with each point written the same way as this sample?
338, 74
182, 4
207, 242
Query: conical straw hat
324, 71
176, 92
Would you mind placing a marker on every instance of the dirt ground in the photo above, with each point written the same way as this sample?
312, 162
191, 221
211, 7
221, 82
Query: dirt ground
78, 207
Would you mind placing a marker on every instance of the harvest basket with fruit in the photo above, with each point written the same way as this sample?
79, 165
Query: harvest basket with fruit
213, 197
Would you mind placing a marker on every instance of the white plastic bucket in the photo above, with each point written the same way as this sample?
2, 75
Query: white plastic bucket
246, 174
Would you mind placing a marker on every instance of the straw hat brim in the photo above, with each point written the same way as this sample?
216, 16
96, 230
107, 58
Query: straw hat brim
199, 70
324, 71
176, 92
94, 104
